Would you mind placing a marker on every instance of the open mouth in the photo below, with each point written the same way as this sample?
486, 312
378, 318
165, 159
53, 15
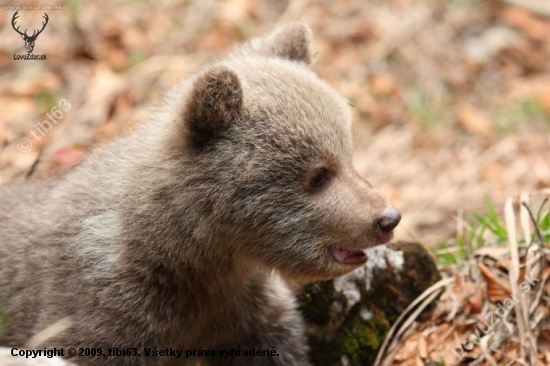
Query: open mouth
348, 256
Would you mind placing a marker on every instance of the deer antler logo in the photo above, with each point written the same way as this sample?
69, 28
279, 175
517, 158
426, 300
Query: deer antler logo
29, 40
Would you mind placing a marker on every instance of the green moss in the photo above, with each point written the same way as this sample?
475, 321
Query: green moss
360, 344
361, 340
315, 302
358, 340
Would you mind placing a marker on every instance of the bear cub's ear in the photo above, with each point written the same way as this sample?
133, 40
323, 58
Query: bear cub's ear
292, 42
216, 100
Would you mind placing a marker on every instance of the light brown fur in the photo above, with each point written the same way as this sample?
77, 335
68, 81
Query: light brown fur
180, 234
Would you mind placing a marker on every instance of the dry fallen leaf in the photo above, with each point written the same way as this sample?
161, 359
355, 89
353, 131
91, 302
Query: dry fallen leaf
497, 289
474, 303
527, 22
238, 11
422, 348
383, 85
475, 121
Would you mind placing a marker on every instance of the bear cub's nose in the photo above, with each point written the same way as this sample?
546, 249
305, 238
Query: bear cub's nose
389, 221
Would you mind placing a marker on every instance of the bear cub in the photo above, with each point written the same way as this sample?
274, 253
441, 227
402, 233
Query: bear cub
182, 235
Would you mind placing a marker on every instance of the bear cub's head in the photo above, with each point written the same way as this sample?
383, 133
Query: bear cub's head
269, 151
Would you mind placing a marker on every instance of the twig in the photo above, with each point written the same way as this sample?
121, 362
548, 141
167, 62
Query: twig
410, 320
544, 202
504, 355
426, 294
535, 223
32, 169
528, 348
486, 350
524, 214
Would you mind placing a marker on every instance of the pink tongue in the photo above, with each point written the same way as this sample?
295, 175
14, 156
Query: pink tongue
343, 256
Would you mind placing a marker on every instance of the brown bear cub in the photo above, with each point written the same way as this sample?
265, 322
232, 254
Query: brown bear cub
181, 235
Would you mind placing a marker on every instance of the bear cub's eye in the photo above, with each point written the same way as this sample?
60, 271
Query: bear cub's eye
319, 178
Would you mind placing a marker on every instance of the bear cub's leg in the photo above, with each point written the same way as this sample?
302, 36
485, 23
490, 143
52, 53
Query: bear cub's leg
269, 326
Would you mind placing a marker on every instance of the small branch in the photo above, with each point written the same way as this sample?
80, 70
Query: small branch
535, 223
544, 202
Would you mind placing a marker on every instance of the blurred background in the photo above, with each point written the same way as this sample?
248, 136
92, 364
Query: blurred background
451, 99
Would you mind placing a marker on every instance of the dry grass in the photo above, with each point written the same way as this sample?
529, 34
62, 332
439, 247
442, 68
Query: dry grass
488, 311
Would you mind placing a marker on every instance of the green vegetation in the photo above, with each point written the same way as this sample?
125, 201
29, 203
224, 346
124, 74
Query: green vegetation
438, 363
526, 111
138, 56
488, 226
47, 99
363, 339
422, 108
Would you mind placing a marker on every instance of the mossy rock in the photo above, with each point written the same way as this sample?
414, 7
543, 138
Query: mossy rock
348, 318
